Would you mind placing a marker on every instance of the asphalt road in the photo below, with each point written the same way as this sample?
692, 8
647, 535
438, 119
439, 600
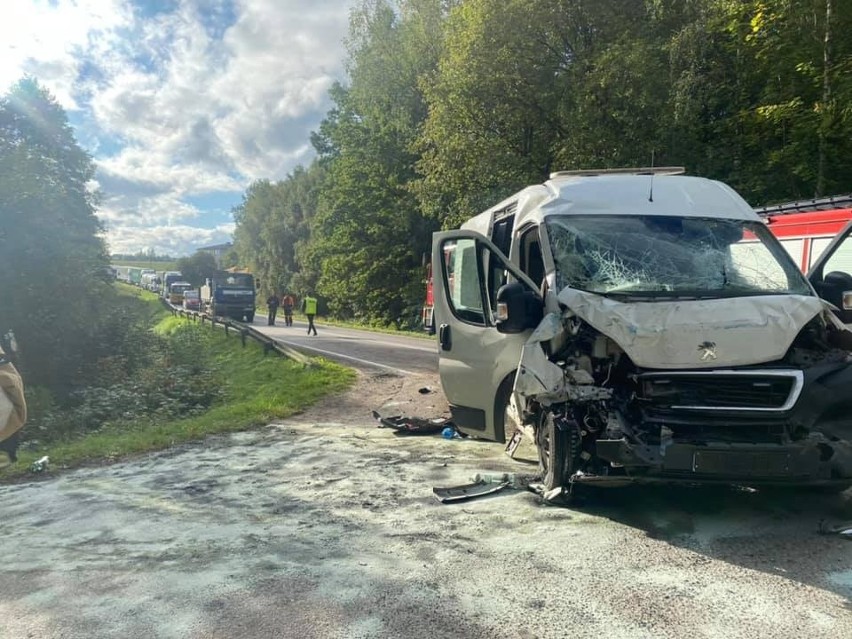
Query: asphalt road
356, 347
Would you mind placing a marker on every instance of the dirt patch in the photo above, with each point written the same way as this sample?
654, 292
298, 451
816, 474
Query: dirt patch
388, 392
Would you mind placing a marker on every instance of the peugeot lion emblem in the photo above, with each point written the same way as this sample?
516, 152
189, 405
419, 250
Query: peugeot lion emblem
707, 350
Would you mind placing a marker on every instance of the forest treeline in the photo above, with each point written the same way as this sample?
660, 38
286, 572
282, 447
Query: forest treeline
451, 106
57, 295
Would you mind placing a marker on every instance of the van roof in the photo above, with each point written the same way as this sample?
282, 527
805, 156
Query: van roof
619, 194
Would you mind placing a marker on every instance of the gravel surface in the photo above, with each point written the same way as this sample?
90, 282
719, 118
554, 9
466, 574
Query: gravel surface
325, 526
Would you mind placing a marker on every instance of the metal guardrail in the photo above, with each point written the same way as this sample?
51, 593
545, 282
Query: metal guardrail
243, 330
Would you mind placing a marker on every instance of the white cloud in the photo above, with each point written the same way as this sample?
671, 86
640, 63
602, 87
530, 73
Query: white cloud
166, 240
199, 100
137, 209
46, 39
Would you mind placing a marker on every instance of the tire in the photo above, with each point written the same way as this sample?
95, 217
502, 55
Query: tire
249, 317
503, 416
557, 449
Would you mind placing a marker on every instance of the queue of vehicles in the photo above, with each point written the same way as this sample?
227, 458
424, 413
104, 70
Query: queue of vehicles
228, 293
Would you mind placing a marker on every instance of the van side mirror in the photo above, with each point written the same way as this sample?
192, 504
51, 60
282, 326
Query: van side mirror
518, 309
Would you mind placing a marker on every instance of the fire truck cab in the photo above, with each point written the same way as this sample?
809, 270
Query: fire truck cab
816, 233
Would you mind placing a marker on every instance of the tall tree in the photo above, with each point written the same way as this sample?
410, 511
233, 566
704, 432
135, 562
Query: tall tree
52, 258
273, 226
369, 235
197, 267
527, 87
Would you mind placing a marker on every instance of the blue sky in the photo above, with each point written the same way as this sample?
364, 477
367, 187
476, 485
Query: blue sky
182, 103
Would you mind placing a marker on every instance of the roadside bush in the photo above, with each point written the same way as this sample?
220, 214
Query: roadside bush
176, 379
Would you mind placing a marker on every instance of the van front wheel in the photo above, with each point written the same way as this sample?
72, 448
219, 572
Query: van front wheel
555, 451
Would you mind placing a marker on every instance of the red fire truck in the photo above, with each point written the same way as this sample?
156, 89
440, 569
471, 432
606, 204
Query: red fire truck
806, 228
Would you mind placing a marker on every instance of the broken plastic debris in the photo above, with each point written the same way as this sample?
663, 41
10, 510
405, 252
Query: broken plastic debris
425, 390
518, 481
484, 484
465, 492
403, 424
844, 530
40, 465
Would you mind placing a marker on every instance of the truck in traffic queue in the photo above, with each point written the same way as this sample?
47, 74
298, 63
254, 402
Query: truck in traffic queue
230, 294
176, 291
644, 326
167, 279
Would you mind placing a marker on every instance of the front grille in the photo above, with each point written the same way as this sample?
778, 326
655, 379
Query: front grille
722, 390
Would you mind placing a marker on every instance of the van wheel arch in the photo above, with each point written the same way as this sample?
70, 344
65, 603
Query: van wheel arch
501, 402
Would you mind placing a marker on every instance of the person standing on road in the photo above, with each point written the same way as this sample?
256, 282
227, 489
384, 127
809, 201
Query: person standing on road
272, 305
287, 304
309, 306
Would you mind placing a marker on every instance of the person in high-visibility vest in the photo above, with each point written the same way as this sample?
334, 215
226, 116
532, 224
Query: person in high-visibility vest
309, 306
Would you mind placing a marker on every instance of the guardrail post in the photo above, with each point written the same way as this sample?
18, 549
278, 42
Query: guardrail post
243, 334
267, 346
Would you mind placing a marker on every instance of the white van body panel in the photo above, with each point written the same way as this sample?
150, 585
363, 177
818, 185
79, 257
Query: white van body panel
676, 195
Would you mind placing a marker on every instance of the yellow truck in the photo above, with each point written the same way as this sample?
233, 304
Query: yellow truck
176, 291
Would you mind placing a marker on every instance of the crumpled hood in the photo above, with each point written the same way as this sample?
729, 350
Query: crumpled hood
692, 334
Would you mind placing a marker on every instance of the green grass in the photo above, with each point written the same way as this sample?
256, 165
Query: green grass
376, 329
258, 388
154, 309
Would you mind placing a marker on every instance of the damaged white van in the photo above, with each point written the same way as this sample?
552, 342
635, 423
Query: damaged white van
642, 325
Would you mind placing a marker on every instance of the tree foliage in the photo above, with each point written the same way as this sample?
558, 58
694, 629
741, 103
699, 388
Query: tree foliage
53, 262
197, 267
451, 106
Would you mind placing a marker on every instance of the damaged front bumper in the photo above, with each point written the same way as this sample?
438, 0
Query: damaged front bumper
801, 463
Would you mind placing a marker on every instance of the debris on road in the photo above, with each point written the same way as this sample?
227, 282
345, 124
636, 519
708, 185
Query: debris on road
40, 465
425, 390
465, 492
482, 485
450, 433
844, 530
404, 424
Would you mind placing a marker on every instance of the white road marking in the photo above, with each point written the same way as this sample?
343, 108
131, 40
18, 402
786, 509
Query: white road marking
349, 357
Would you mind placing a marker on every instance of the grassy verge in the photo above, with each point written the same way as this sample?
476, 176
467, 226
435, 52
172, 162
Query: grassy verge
375, 329
250, 390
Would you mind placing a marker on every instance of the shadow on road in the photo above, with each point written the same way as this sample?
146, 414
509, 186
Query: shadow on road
774, 531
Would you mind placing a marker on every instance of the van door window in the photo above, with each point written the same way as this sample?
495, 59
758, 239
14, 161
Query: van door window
504, 224
840, 260
463, 280
832, 274
497, 276
532, 262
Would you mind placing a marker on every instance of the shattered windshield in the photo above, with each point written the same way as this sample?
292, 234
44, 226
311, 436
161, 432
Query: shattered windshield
669, 256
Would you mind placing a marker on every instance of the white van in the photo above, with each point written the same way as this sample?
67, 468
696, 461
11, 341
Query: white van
642, 325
